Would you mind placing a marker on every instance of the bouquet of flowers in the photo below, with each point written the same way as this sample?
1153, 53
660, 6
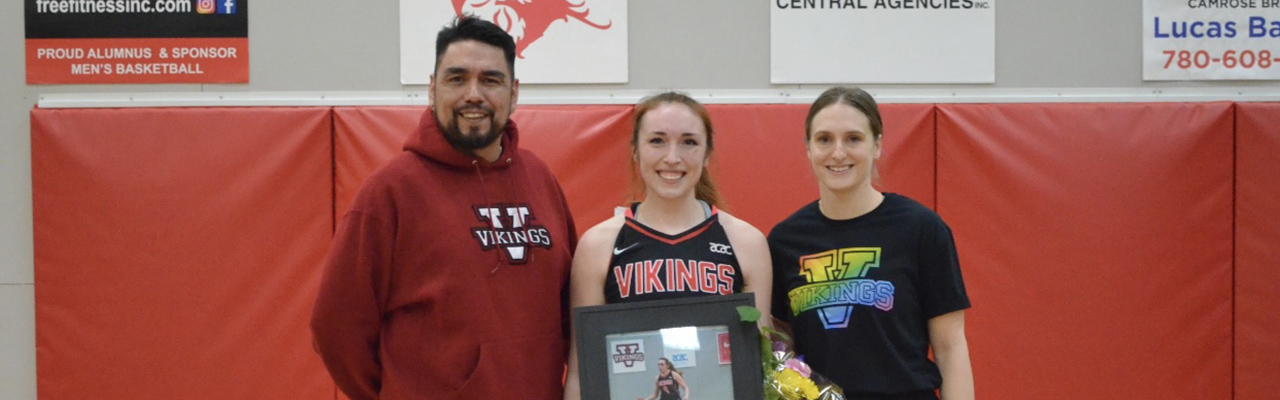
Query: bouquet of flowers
787, 377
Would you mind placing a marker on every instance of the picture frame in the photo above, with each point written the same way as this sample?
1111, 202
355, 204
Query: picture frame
620, 347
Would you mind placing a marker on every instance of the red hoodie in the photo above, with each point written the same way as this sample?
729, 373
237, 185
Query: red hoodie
448, 278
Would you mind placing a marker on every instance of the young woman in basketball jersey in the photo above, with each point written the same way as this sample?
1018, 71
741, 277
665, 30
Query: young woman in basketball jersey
675, 242
892, 261
670, 384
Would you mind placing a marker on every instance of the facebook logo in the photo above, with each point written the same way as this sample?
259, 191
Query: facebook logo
226, 6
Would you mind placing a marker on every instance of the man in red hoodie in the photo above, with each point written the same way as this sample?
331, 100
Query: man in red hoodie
448, 276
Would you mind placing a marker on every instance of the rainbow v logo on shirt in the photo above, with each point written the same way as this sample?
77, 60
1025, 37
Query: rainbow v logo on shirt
836, 283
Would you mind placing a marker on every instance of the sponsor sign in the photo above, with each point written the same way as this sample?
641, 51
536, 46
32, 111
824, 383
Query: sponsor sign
627, 355
722, 343
1210, 39
557, 41
882, 41
682, 358
137, 41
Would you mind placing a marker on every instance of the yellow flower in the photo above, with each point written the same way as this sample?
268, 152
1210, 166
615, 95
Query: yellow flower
794, 386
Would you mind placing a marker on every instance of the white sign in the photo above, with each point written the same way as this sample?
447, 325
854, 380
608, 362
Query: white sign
682, 358
627, 355
557, 41
882, 41
1210, 39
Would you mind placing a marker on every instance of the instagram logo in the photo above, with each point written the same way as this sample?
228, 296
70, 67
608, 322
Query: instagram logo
205, 6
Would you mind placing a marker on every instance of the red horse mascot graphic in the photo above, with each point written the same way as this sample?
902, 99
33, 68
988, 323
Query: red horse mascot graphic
527, 20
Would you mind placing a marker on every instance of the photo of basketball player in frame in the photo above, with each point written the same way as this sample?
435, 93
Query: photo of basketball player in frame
628, 351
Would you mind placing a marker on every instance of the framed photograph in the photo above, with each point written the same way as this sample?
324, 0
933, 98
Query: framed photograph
696, 348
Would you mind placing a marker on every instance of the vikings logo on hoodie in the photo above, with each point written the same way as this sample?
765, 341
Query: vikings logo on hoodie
511, 227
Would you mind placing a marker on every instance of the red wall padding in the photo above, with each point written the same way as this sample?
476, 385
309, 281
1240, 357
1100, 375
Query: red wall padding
177, 251
1257, 334
586, 147
1096, 245
363, 139
755, 144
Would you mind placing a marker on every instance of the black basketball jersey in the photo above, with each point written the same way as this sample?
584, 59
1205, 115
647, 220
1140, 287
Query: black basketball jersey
651, 265
668, 389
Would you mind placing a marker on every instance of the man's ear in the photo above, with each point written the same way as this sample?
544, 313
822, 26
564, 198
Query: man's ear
515, 93
431, 90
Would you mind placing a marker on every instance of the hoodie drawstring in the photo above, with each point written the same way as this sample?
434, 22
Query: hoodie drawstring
484, 192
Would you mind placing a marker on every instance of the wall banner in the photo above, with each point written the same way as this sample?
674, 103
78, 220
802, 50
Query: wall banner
557, 41
882, 41
627, 355
1186, 40
137, 41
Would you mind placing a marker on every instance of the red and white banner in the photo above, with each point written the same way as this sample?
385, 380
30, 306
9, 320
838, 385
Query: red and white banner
627, 355
557, 41
133, 60
722, 345
882, 41
1185, 40
137, 41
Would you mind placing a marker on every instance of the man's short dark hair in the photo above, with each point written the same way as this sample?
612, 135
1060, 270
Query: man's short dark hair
470, 27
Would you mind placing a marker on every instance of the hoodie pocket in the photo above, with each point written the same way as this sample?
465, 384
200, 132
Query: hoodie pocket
531, 367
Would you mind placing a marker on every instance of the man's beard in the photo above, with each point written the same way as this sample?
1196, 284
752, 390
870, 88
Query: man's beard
453, 134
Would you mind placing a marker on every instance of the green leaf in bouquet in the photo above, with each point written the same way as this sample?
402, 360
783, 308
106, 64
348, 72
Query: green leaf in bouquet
749, 314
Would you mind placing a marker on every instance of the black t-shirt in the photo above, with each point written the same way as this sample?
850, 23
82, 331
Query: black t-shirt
650, 265
858, 293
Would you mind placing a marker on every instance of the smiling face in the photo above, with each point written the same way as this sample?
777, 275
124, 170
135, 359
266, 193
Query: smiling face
842, 149
472, 93
671, 151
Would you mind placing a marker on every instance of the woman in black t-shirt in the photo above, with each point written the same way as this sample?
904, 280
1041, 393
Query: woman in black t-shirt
869, 282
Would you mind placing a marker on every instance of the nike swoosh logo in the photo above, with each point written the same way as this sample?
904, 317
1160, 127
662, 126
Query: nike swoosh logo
617, 251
